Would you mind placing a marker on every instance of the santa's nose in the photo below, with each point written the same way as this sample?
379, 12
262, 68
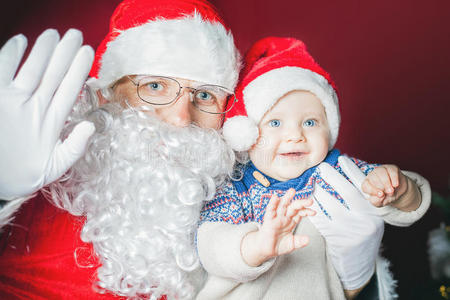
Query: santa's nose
179, 113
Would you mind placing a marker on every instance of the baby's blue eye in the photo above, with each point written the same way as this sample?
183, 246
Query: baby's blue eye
275, 123
310, 123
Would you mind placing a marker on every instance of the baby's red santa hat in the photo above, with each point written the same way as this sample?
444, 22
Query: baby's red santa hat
175, 38
275, 66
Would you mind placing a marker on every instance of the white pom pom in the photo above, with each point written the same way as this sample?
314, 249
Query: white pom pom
240, 133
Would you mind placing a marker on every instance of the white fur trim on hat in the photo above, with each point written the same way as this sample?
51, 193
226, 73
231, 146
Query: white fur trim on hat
240, 133
189, 48
264, 91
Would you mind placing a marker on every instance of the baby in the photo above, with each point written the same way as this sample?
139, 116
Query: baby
291, 127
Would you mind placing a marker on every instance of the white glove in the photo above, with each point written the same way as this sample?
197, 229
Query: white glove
34, 107
353, 235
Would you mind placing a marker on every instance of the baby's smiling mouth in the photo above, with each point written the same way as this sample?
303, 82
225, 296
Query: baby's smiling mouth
292, 155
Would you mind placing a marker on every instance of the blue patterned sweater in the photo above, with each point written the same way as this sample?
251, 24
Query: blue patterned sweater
243, 201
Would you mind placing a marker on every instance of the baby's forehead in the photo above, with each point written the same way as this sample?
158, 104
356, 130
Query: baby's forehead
303, 100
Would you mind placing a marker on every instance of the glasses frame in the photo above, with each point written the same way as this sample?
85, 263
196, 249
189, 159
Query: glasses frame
192, 91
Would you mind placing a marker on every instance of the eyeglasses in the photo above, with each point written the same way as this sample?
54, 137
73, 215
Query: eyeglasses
160, 90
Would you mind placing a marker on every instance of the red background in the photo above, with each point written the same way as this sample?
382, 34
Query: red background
391, 63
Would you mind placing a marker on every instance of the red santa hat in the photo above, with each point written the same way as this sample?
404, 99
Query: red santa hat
273, 67
176, 38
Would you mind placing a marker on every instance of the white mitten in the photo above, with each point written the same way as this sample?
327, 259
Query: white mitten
34, 106
352, 231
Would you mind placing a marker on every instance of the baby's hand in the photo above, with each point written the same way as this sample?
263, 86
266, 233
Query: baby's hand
275, 236
281, 217
385, 185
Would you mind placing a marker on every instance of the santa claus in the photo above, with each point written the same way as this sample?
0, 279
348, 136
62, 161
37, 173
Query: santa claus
135, 157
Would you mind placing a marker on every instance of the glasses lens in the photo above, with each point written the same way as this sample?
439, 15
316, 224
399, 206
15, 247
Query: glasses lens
158, 90
213, 99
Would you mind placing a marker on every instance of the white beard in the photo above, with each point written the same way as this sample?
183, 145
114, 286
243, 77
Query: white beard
141, 186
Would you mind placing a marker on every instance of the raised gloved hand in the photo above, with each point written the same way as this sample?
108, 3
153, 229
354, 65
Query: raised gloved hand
34, 107
352, 230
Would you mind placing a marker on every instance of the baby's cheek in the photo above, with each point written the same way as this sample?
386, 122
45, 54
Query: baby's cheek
321, 150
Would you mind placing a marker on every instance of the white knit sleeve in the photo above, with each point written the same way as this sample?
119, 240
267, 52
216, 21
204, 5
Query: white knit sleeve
219, 249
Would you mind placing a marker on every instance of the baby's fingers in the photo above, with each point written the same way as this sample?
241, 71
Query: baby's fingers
376, 201
372, 187
382, 175
302, 213
299, 207
271, 210
393, 172
285, 201
376, 195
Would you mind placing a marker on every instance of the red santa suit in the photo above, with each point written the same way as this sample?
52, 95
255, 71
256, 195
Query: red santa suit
43, 257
